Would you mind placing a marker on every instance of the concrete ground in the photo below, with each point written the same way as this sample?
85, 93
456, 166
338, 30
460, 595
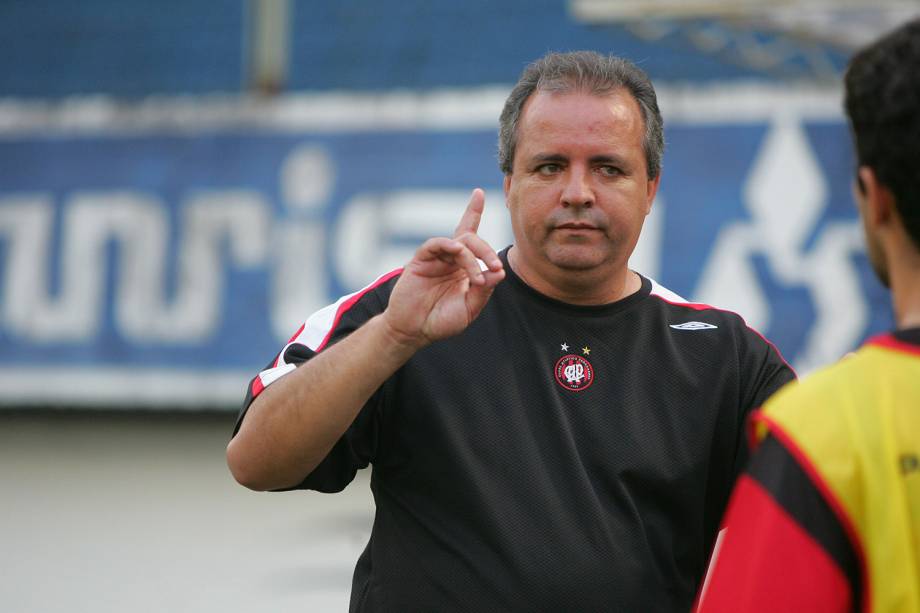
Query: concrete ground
114, 512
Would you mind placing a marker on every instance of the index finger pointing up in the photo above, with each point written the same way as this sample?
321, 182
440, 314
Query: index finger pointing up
473, 213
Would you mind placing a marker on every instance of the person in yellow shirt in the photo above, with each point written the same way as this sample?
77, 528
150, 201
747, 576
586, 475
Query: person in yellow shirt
827, 515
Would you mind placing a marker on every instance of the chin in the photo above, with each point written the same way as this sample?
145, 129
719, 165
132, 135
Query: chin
577, 258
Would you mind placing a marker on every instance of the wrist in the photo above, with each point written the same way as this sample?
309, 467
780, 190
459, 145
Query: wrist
394, 339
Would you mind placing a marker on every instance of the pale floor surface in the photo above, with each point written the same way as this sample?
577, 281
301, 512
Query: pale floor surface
108, 512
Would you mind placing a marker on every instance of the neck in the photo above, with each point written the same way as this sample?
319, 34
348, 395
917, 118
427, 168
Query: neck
904, 279
906, 301
580, 287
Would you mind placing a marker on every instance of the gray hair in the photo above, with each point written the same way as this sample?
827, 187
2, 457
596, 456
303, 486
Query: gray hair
582, 71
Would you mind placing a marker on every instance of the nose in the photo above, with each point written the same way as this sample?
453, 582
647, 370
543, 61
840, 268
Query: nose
577, 190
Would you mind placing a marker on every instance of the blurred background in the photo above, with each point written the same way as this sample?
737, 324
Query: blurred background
183, 183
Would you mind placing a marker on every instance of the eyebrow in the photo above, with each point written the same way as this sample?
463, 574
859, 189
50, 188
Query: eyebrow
614, 160
549, 157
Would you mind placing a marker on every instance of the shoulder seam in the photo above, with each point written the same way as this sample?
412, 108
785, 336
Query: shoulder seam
325, 320
700, 306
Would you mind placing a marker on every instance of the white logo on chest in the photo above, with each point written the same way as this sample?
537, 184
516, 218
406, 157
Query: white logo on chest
574, 373
694, 325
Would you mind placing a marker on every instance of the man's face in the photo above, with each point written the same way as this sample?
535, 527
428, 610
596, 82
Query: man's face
579, 190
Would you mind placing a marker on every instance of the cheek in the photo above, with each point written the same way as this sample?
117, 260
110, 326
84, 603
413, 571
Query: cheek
531, 204
632, 205
520, 204
513, 204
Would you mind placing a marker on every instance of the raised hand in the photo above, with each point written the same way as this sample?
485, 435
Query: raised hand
444, 287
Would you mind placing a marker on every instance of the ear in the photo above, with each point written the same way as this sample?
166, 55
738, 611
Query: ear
651, 190
506, 184
878, 202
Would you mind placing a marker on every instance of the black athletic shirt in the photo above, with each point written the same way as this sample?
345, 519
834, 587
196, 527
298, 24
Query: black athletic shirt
551, 457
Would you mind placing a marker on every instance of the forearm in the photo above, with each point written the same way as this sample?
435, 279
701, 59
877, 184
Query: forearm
293, 423
291, 426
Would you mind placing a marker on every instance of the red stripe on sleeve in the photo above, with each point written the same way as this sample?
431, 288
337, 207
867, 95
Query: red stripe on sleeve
828, 494
767, 562
257, 386
296, 334
343, 308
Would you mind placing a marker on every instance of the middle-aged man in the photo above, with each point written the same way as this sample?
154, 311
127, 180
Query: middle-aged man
827, 516
550, 431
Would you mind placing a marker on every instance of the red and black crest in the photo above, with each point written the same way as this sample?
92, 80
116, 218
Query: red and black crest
573, 372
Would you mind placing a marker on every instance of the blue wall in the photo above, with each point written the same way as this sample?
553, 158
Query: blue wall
133, 48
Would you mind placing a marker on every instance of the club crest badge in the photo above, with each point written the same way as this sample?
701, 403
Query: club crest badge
573, 372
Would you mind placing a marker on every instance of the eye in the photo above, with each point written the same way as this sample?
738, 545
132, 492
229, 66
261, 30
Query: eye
609, 171
549, 169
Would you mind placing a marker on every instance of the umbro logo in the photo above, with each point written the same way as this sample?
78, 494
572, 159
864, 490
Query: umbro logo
694, 325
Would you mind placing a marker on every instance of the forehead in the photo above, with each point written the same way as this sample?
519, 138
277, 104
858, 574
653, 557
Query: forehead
559, 119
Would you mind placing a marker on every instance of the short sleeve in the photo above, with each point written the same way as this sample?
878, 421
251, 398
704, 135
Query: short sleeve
357, 446
764, 372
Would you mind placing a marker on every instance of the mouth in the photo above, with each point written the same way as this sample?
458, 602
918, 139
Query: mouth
576, 226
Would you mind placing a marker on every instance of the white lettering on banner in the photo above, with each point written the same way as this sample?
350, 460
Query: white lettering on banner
26, 223
299, 281
786, 194
237, 220
307, 177
137, 223
380, 232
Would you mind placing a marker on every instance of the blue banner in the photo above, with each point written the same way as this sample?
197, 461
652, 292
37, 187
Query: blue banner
165, 268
